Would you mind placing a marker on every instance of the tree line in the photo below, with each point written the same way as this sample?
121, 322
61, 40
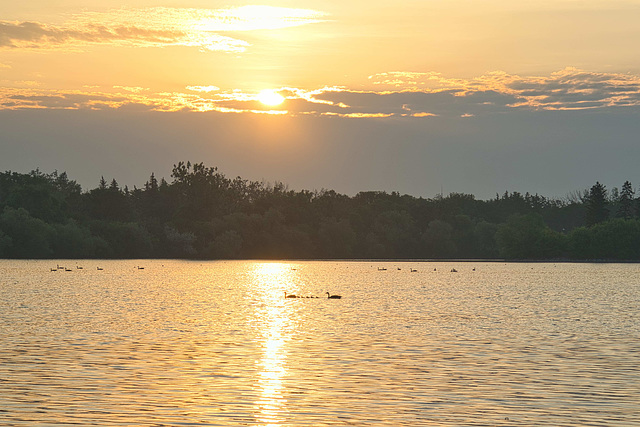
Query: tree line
202, 214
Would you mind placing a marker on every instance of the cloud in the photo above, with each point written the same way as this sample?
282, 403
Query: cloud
494, 93
567, 89
134, 89
33, 35
209, 88
155, 27
574, 89
253, 17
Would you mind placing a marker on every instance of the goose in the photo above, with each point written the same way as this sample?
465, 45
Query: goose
290, 295
413, 270
333, 296
98, 268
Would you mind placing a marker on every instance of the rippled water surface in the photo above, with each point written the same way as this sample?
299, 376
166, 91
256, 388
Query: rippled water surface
217, 344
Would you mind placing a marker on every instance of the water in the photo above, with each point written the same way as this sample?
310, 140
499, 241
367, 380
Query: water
217, 344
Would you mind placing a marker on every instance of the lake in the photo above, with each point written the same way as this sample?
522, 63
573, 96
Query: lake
192, 343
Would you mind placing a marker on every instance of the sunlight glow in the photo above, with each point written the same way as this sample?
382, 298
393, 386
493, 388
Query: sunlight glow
254, 17
270, 98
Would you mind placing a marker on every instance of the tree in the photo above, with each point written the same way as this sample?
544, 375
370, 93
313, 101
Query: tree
31, 237
597, 210
615, 239
438, 240
528, 237
5, 244
625, 202
152, 184
336, 239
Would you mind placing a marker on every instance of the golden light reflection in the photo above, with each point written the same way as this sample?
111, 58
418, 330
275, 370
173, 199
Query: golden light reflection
270, 281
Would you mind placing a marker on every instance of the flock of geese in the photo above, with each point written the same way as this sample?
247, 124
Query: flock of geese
62, 268
413, 270
329, 296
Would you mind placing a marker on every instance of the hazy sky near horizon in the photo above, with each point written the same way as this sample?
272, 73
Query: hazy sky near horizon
413, 96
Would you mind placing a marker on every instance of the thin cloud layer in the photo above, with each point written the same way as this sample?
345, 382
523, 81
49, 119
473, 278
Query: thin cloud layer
155, 27
33, 35
399, 95
568, 89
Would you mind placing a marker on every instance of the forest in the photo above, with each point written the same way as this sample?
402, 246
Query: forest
202, 214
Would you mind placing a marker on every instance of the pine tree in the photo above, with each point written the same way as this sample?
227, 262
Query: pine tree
625, 201
597, 210
152, 184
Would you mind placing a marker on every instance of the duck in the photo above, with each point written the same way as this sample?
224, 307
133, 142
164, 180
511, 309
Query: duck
289, 295
333, 296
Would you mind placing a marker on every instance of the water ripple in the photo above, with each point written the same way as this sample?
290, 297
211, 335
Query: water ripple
216, 344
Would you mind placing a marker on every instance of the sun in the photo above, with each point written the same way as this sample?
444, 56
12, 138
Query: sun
270, 97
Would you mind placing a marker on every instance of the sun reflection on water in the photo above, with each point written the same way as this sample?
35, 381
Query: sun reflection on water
269, 281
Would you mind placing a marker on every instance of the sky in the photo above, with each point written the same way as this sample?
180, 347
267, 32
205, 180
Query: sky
421, 97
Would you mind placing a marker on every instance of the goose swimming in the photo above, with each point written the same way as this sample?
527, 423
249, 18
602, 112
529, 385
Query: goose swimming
333, 296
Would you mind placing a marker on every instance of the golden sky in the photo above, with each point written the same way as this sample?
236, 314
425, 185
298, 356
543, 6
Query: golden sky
411, 60
207, 55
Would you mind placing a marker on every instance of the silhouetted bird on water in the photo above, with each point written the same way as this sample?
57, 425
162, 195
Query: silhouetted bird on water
290, 295
333, 296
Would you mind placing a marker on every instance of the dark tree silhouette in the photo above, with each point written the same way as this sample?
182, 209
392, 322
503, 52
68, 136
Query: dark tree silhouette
203, 214
597, 210
626, 202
